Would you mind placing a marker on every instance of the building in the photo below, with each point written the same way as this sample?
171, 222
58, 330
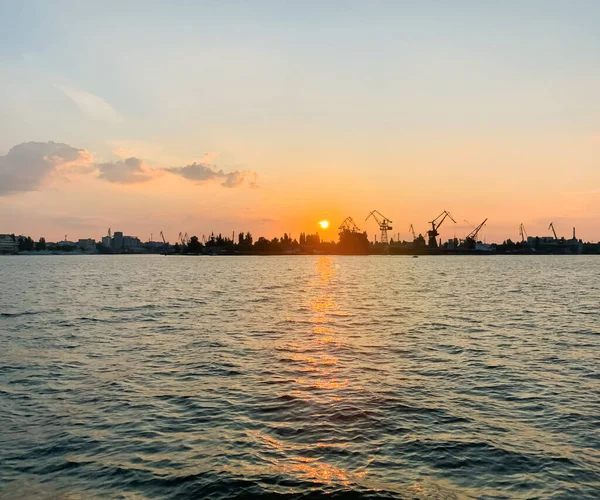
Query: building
66, 243
549, 244
86, 245
106, 241
131, 242
8, 244
118, 240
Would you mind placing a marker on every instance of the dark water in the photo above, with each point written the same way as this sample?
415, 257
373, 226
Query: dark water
375, 377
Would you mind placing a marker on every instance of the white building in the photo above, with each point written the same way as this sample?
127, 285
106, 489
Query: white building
86, 244
8, 244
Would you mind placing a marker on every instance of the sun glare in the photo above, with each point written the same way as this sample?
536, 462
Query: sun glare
324, 224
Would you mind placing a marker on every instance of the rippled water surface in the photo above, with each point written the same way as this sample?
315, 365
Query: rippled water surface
347, 377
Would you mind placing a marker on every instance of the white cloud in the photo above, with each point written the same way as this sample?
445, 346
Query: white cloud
27, 165
129, 171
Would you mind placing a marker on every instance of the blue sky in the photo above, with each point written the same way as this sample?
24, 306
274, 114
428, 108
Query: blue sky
499, 96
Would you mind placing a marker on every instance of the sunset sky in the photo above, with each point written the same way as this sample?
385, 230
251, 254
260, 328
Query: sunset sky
142, 116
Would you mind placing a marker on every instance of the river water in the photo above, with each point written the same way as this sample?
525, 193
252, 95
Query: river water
299, 377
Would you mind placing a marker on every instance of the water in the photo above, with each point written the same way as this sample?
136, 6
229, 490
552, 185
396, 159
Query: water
343, 377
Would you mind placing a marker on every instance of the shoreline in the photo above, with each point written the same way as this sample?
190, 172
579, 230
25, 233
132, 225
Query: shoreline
283, 254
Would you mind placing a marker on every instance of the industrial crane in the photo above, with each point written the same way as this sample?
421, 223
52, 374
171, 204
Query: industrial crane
523, 233
349, 225
435, 225
551, 226
473, 234
412, 230
163, 237
383, 222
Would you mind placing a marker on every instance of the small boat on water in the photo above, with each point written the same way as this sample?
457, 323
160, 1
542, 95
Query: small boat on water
415, 256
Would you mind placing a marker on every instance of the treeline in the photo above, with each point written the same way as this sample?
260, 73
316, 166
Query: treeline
350, 242
26, 243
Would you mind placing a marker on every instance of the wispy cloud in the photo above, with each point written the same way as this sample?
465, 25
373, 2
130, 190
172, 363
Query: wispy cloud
203, 172
91, 105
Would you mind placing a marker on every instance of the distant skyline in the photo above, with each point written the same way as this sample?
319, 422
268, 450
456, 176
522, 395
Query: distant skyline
270, 117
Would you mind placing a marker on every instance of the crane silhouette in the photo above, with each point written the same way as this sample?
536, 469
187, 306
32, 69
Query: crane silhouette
349, 225
412, 230
435, 225
522, 233
383, 222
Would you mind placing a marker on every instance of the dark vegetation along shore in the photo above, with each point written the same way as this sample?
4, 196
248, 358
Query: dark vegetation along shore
350, 242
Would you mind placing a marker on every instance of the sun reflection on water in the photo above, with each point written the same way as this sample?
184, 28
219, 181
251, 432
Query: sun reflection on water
322, 380
321, 383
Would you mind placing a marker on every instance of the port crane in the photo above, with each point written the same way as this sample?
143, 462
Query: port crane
435, 225
473, 234
412, 230
349, 225
523, 233
383, 222
163, 237
184, 238
551, 226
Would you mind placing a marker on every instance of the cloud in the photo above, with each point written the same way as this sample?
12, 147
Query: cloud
92, 105
233, 179
203, 172
27, 165
196, 172
129, 171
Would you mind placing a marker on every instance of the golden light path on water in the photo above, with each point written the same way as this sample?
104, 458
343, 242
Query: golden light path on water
328, 382
324, 381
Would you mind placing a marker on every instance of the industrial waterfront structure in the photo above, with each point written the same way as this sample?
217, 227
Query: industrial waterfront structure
351, 241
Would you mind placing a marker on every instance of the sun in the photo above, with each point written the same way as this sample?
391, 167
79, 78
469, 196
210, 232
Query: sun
324, 224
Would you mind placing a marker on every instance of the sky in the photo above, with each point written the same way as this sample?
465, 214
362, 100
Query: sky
198, 116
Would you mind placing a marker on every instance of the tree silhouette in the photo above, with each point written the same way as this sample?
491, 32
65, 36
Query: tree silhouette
194, 246
353, 242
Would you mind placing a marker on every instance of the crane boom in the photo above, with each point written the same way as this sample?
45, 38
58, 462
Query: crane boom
551, 226
445, 214
522, 232
473, 234
349, 225
412, 230
163, 237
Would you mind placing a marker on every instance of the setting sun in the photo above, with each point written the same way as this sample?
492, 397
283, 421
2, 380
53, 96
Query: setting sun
324, 224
